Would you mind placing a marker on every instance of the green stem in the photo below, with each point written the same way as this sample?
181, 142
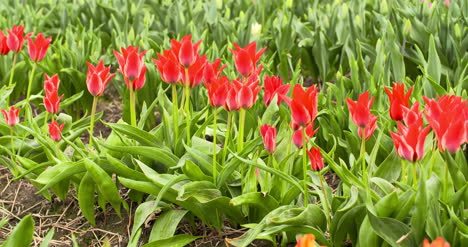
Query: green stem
327, 207
187, 106
91, 126
215, 170
12, 74
31, 76
445, 184
12, 143
132, 106
363, 157
304, 167
226, 139
240, 139
415, 176
175, 114
45, 120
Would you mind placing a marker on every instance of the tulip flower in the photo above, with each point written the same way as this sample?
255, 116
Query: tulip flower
438, 242
366, 132
55, 130
194, 74
410, 138
269, 137
448, 117
398, 99
360, 110
168, 67
303, 104
11, 116
4, 49
307, 240
246, 58
132, 67
316, 160
51, 99
298, 139
273, 86
212, 71
97, 78
15, 38
218, 91
38, 48
185, 51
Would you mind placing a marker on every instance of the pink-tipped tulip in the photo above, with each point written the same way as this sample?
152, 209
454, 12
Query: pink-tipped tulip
11, 116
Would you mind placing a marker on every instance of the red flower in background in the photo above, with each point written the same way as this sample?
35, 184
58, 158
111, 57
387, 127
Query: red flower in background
4, 49
303, 105
316, 160
51, 99
55, 130
38, 48
398, 99
369, 129
15, 38
448, 117
297, 136
195, 72
307, 240
438, 242
168, 67
246, 58
241, 95
212, 71
218, 91
274, 86
11, 116
360, 110
132, 67
410, 138
185, 51
269, 137
97, 78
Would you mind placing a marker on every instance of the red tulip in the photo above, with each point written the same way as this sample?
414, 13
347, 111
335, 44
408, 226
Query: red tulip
246, 58
218, 91
16, 37
307, 240
185, 51
51, 99
11, 116
132, 67
241, 95
195, 72
297, 136
168, 67
4, 49
97, 78
269, 137
409, 141
303, 104
438, 242
398, 99
273, 86
448, 117
316, 160
232, 102
360, 110
369, 129
212, 71
38, 48
55, 130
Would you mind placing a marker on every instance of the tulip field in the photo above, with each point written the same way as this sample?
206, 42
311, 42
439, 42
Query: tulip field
234, 123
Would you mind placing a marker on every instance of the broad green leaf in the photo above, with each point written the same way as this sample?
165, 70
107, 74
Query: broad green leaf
180, 240
166, 224
22, 234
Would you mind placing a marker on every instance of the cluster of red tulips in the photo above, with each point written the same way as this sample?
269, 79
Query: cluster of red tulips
182, 65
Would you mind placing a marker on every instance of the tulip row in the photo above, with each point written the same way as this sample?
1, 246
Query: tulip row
182, 65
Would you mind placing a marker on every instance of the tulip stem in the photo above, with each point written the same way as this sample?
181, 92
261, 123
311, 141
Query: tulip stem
12, 143
304, 167
226, 139
327, 207
415, 176
240, 139
187, 106
175, 114
31, 76
363, 157
215, 170
12, 74
91, 126
403, 171
444, 188
132, 107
